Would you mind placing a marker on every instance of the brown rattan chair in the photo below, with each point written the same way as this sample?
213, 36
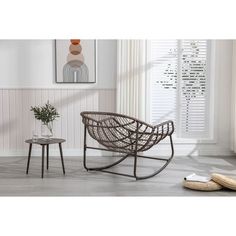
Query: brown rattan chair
124, 134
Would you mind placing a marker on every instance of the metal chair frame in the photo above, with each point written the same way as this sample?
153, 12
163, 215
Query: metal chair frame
127, 135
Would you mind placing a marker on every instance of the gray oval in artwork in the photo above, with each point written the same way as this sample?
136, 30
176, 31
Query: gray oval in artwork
75, 71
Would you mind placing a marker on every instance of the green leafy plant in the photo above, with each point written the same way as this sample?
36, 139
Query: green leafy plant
46, 113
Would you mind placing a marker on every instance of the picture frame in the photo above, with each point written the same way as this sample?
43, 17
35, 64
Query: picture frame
75, 61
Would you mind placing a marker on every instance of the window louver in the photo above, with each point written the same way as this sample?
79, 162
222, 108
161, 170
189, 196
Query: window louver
179, 85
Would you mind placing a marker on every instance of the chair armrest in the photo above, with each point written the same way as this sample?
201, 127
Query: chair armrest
169, 125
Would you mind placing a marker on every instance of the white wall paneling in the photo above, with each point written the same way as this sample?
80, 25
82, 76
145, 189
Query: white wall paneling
17, 121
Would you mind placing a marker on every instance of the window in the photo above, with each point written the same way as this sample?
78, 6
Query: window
179, 85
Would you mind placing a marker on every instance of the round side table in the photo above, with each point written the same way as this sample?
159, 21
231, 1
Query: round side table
43, 143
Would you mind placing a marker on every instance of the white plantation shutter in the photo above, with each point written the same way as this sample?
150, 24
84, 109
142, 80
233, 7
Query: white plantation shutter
163, 61
179, 85
194, 89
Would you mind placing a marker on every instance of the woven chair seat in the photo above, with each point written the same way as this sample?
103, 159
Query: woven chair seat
120, 132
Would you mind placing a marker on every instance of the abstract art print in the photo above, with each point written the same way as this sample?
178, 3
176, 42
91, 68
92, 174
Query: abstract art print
75, 61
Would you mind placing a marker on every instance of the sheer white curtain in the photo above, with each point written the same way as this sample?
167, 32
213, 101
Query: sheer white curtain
131, 78
233, 100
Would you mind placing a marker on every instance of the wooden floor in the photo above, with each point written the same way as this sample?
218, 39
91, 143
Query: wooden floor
78, 182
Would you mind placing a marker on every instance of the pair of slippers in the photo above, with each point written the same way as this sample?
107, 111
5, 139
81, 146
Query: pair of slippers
217, 182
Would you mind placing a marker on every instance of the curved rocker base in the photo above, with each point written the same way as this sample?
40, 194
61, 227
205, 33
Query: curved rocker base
156, 172
136, 156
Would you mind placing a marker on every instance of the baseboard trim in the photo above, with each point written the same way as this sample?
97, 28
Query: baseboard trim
53, 152
161, 150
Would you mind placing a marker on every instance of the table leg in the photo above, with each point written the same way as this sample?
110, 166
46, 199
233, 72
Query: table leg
62, 161
42, 160
29, 156
47, 156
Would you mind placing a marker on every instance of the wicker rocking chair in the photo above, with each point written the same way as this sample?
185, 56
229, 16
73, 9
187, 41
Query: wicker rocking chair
124, 134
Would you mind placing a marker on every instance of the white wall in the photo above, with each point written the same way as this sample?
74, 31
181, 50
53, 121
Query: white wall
31, 64
17, 122
27, 78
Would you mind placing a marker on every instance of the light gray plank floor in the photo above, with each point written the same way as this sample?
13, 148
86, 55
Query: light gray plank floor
78, 182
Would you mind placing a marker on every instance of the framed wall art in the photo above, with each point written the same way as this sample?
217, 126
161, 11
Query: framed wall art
75, 61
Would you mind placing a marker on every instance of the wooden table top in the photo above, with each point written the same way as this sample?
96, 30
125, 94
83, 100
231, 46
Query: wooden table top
43, 141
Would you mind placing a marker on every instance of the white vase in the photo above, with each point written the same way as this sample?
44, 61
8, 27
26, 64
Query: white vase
47, 130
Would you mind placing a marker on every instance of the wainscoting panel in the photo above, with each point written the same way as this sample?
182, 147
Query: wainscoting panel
17, 122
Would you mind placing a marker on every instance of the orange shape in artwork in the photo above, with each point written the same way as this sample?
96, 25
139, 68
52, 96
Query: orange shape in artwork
75, 41
75, 49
